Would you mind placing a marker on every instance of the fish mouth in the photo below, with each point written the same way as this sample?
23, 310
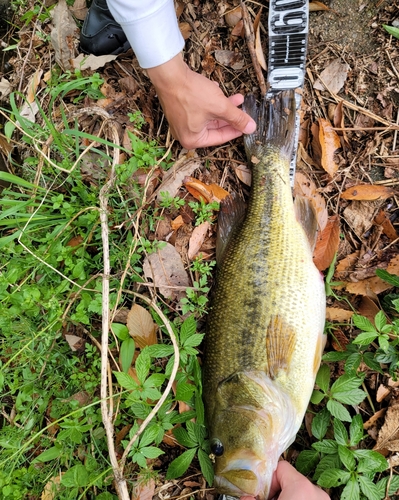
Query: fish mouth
244, 476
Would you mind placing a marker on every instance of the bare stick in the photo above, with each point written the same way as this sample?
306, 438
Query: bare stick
250, 38
107, 409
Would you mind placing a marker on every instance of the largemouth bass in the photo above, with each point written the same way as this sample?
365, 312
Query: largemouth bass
264, 337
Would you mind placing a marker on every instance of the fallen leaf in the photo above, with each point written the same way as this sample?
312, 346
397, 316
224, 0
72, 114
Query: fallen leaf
374, 285
173, 179
75, 241
305, 187
334, 76
368, 192
205, 192
382, 393
327, 244
388, 437
338, 314
244, 173
52, 487
360, 215
5, 87
339, 340
316, 6
63, 35
197, 238
185, 30
166, 269
233, 16
260, 55
141, 326
176, 223
368, 308
345, 264
79, 9
82, 61
75, 342
382, 220
330, 143
143, 489
373, 419
29, 111
230, 58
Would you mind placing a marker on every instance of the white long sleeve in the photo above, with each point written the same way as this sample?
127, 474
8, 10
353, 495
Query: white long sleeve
151, 28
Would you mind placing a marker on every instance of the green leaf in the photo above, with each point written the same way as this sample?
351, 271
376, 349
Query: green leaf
307, 461
370, 461
356, 430
363, 323
75, 476
317, 397
351, 490
345, 383
347, 458
326, 463
126, 381
338, 411
49, 454
121, 331
327, 446
148, 436
335, 356
323, 378
127, 353
353, 362
365, 338
180, 418
352, 397
340, 432
394, 32
194, 340
187, 329
180, 464
369, 489
392, 279
160, 350
142, 365
206, 466
151, 451
384, 344
380, 320
333, 477
320, 423
184, 391
183, 437
383, 484
368, 358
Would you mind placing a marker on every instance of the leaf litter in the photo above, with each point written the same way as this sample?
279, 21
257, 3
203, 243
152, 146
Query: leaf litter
352, 183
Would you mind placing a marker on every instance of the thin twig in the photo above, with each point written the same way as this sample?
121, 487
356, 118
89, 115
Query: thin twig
171, 380
250, 38
107, 410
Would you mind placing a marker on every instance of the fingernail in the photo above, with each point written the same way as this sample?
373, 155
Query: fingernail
250, 128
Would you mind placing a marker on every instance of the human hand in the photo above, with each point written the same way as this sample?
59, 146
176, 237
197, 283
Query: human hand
289, 484
198, 112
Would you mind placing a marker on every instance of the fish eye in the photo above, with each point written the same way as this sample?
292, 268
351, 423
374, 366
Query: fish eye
217, 448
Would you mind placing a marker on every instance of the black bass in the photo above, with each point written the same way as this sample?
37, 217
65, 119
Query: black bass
264, 336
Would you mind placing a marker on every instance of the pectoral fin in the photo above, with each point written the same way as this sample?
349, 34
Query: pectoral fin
280, 344
306, 216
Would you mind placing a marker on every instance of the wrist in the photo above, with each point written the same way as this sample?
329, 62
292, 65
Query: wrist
169, 75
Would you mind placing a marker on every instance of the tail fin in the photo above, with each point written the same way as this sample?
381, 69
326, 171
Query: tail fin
275, 120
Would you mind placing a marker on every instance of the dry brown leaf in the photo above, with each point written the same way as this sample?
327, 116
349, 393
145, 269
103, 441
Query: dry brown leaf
345, 264
33, 85
339, 340
52, 487
316, 6
166, 269
307, 188
230, 58
258, 43
79, 9
233, 16
360, 215
330, 143
204, 192
143, 489
141, 326
374, 285
244, 173
334, 76
5, 87
75, 342
338, 314
75, 241
382, 220
185, 30
177, 223
238, 30
368, 308
368, 192
197, 239
373, 419
388, 437
63, 35
327, 244
173, 179
82, 61
382, 393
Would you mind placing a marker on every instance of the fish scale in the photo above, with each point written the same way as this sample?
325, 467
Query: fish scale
264, 334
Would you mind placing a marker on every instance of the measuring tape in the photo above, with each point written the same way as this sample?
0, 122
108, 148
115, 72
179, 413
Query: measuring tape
288, 35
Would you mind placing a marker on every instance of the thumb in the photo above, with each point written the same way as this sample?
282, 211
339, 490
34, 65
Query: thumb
238, 119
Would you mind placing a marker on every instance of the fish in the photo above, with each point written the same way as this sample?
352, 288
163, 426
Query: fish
264, 335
